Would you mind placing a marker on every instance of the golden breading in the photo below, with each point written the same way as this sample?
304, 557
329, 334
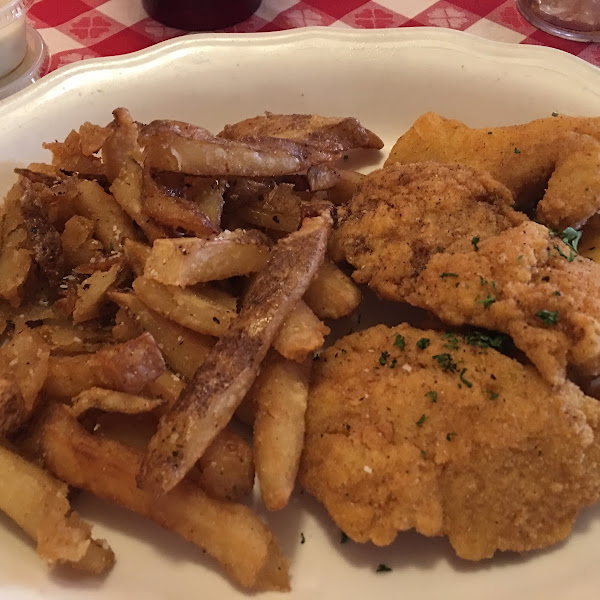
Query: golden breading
442, 237
562, 149
409, 428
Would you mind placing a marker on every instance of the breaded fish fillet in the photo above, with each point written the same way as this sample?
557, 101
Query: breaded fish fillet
561, 153
442, 237
409, 428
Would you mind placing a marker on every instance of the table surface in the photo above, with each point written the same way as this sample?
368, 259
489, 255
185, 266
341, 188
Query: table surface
79, 29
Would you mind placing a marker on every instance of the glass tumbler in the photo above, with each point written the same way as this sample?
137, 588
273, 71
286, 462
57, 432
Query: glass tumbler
577, 20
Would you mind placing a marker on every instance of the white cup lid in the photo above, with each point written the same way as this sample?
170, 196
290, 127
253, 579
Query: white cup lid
33, 66
12, 10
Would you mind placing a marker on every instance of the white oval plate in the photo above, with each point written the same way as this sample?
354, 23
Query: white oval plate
386, 79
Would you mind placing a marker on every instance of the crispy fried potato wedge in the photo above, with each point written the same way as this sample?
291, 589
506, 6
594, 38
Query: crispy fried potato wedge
301, 333
281, 392
121, 143
183, 349
64, 338
178, 213
207, 194
15, 264
78, 245
125, 367
226, 470
229, 532
331, 134
193, 309
111, 222
13, 411
183, 148
136, 254
75, 153
278, 209
217, 389
187, 261
92, 293
127, 191
332, 294
112, 401
38, 503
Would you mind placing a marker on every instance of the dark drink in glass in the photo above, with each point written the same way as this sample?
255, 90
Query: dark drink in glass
200, 15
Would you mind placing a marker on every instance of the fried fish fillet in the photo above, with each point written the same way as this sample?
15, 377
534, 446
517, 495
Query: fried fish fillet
409, 428
561, 153
444, 238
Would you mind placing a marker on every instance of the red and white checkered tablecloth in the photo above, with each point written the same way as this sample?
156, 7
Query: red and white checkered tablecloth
78, 29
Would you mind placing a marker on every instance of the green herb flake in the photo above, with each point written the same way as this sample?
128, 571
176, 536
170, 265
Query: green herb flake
548, 317
393, 363
420, 422
483, 281
517, 151
423, 343
570, 257
383, 358
557, 293
439, 249
462, 378
423, 454
474, 242
493, 395
433, 395
343, 537
490, 132
451, 341
444, 275
449, 436
520, 257
485, 339
400, 342
381, 568
487, 301
445, 361
302, 538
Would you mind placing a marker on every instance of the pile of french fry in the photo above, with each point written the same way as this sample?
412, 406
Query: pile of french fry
162, 270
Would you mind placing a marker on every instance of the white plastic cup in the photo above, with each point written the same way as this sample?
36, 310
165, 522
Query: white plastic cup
13, 40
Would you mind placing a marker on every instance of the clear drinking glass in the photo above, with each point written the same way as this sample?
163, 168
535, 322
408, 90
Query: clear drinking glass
577, 20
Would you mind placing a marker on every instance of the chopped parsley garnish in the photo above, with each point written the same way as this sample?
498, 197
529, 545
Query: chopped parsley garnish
420, 422
449, 436
490, 132
440, 249
494, 286
482, 280
487, 301
432, 395
393, 363
400, 342
485, 339
557, 293
549, 317
493, 395
571, 237
381, 568
462, 378
343, 537
474, 242
517, 151
520, 257
423, 343
451, 341
302, 538
423, 454
383, 358
443, 275
445, 361
572, 253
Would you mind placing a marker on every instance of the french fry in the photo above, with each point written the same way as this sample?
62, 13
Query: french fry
226, 470
37, 502
346, 186
229, 532
192, 309
218, 388
121, 143
125, 367
184, 148
332, 294
77, 242
136, 255
167, 386
173, 212
187, 261
13, 412
111, 222
64, 338
91, 293
14, 269
207, 193
589, 246
278, 209
127, 191
70, 156
301, 333
281, 393
183, 349
126, 327
112, 401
